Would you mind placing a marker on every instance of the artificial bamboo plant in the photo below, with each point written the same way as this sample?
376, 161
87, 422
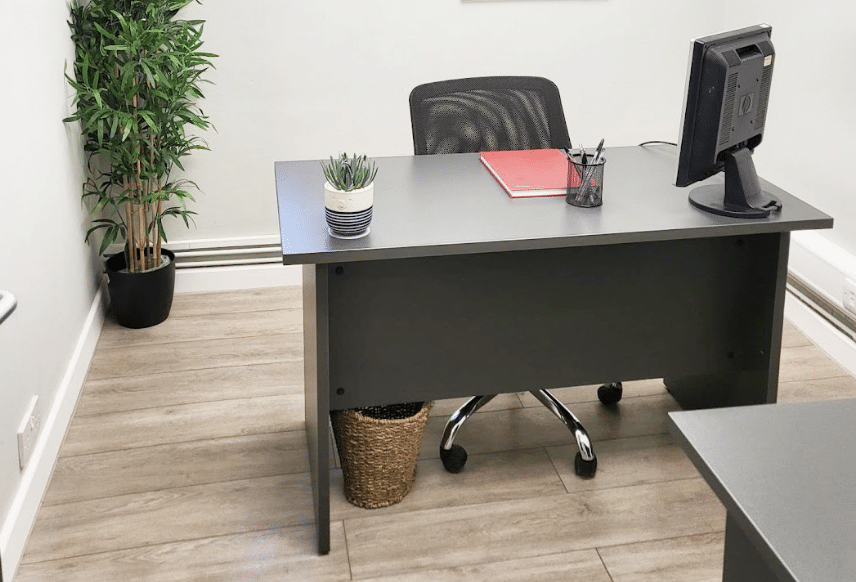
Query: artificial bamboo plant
137, 77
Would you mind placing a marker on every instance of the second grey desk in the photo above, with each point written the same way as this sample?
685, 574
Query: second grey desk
786, 474
461, 290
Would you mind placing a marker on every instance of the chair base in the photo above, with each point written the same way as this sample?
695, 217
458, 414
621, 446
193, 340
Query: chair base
454, 456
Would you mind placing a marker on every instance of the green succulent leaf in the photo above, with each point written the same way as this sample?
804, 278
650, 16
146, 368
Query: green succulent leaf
349, 173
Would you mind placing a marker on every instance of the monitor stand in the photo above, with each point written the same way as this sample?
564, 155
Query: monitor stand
741, 196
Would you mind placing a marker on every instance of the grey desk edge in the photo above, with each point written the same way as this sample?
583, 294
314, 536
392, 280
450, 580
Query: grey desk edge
309, 244
735, 509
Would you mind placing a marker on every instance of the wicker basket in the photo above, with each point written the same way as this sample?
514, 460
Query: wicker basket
378, 448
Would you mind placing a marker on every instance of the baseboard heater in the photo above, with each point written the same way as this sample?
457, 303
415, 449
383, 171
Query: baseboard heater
228, 256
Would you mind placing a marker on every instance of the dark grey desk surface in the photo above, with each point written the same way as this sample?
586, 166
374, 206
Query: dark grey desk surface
444, 205
787, 474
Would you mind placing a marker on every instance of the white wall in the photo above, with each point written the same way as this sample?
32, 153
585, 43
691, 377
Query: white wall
303, 80
808, 146
43, 259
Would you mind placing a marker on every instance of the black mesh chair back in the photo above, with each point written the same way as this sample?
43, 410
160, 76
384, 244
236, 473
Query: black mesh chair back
487, 114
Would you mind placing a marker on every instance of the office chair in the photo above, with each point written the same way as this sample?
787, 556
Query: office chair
485, 114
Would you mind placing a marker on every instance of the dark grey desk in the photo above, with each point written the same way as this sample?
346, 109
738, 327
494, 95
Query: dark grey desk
460, 290
786, 473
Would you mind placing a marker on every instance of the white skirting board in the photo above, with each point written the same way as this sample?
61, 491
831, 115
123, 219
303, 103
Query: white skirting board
825, 266
838, 346
36, 477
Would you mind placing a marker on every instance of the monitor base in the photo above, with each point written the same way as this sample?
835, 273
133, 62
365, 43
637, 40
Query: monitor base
712, 199
741, 196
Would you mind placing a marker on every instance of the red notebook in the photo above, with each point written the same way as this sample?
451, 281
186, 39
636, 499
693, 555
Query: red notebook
531, 173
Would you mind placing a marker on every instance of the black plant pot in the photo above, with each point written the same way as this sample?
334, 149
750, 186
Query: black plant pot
140, 299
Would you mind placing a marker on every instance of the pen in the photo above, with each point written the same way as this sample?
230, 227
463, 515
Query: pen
587, 176
598, 152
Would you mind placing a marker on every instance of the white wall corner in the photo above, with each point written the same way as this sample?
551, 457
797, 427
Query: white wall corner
36, 477
823, 265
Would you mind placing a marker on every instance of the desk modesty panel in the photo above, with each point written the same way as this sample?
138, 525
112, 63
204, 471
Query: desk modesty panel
451, 204
786, 474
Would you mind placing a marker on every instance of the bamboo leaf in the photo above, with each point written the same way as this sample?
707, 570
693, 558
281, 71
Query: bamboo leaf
108, 239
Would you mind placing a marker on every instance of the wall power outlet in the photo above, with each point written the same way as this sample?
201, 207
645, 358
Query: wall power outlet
850, 295
28, 432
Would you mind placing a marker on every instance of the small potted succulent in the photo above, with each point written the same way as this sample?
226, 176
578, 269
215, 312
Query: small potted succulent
349, 195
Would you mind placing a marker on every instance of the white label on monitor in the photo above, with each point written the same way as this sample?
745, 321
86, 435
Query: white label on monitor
768, 60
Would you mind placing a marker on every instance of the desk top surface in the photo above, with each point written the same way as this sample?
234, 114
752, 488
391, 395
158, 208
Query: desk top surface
787, 474
451, 204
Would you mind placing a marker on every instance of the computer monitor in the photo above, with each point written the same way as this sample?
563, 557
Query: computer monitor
725, 109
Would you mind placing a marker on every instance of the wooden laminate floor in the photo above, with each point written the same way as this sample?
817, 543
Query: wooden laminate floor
186, 460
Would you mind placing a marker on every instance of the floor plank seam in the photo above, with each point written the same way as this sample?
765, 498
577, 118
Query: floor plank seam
125, 410
25, 561
814, 379
608, 573
555, 469
284, 334
171, 443
173, 488
665, 539
552, 496
239, 312
236, 366
257, 363
195, 402
135, 345
347, 550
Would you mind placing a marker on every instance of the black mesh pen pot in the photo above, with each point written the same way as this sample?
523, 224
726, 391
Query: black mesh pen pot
141, 299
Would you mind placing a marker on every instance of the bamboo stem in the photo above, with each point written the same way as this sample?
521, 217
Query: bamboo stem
157, 210
141, 218
158, 239
129, 222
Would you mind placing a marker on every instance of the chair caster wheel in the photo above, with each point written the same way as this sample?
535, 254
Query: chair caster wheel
453, 459
585, 468
610, 393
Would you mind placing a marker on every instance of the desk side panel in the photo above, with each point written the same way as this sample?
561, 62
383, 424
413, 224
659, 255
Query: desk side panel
757, 380
437, 327
316, 394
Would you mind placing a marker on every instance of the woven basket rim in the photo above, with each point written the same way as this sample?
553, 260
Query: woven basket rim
426, 408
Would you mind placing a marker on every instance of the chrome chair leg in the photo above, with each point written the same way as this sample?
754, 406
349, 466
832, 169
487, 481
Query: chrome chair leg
585, 462
454, 456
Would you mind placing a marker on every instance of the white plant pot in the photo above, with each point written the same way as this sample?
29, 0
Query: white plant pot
348, 213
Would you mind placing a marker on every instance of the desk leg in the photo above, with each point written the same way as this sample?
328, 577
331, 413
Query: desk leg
756, 341
316, 348
742, 561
